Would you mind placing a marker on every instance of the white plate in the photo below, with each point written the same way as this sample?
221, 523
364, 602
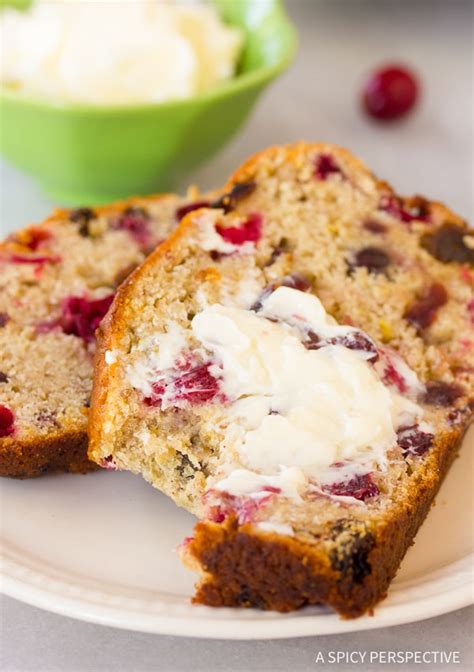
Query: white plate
100, 548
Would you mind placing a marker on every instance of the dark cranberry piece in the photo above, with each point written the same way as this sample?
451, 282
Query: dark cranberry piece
248, 231
190, 207
136, 222
237, 193
352, 341
390, 92
458, 415
3, 319
447, 244
374, 227
282, 247
82, 215
372, 258
419, 208
324, 166
108, 463
413, 441
313, 341
422, 313
359, 487
3, 377
294, 281
439, 393
82, 316
7, 421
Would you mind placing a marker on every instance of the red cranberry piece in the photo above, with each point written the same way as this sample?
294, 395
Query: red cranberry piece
244, 508
195, 385
390, 93
24, 259
470, 310
82, 316
324, 166
136, 222
36, 237
3, 319
294, 281
422, 313
359, 487
374, 227
158, 392
373, 259
3, 377
248, 231
7, 421
413, 441
239, 191
439, 393
391, 376
394, 206
353, 341
190, 207
447, 244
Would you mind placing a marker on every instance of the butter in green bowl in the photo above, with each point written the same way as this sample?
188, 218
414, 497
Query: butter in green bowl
94, 153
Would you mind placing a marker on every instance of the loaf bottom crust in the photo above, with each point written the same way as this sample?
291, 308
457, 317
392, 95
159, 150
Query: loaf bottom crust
67, 453
243, 567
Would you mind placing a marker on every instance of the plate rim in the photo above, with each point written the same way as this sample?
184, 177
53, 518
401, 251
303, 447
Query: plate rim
441, 591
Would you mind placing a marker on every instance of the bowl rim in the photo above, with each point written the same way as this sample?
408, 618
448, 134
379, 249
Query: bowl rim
223, 90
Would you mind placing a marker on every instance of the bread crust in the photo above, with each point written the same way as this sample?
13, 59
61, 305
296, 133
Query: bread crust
66, 452
63, 450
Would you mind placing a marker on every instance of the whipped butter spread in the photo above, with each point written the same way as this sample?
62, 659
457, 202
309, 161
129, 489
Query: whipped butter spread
293, 417
294, 407
106, 51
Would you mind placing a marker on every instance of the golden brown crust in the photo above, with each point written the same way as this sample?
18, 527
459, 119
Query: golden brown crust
114, 325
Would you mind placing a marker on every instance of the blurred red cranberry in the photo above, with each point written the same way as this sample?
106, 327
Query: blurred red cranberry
390, 92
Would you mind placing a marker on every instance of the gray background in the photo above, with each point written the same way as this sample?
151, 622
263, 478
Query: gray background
429, 153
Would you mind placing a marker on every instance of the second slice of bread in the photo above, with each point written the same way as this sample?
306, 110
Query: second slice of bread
57, 280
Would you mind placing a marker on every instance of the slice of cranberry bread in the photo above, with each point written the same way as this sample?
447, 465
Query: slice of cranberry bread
296, 368
57, 281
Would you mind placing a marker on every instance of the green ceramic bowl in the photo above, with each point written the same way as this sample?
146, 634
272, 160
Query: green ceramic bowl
93, 154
